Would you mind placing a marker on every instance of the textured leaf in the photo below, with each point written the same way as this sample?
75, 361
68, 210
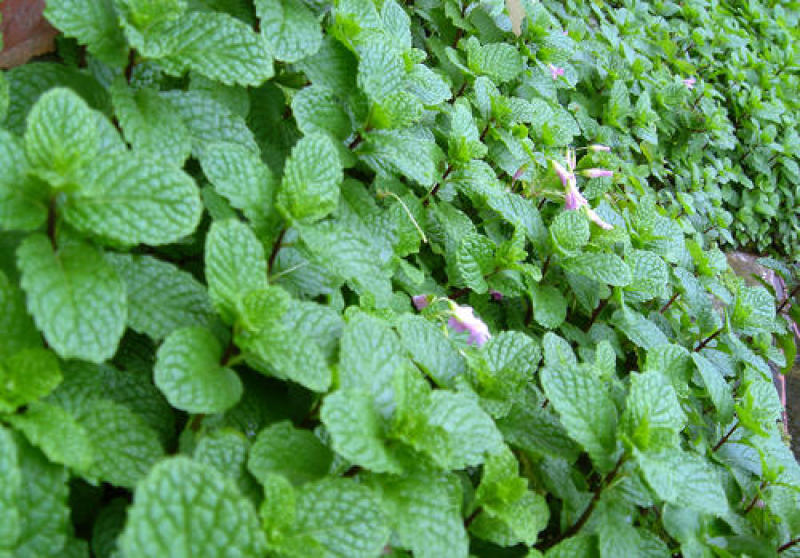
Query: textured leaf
343, 517
310, 187
586, 410
290, 29
602, 267
150, 125
653, 416
146, 12
684, 479
235, 265
10, 490
501, 62
27, 375
431, 349
189, 373
754, 310
569, 232
53, 430
716, 386
380, 70
649, 273
161, 297
216, 45
240, 176
410, 152
186, 509
424, 508
94, 24
318, 110
294, 453
75, 296
23, 198
639, 329
130, 199
549, 306
226, 449
356, 429
61, 136
474, 260
429, 87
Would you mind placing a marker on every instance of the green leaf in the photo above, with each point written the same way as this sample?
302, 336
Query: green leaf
75, 297
343, 518
235, 265
215, 45
61, 136
161, 297
94, 24
190, 374
549, 306
653, 417
146, 12
649, 273
55, 431
424, 508
685, 479
474, 260
312, 175
150, 125
44, 518
586, 410
674, 362
27, 375
718, 389
557, 351
429, 87
3, 95
431, 349
639, 329
410, 152
357, 431
754, 310
226, 449
290, 28
10, 490
380, 69
23, 198
292, 452
318, 110
17, 326
131, 199
569, 232
187, 509
602, 267
500, 61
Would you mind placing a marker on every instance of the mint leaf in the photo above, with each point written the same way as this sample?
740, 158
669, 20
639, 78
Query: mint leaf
161, 297
10, 490
129, 199
549, 306
586, 410
54, 430
92, 23
684, 479
653, 417
424, 508
189, 372
235, 265
718, 389
319, 110
380, 69
18, 327
310, 187
27, 375
294, 453
185, 509
431, 349
75, 296
61, 136
290, 29
23, 198
649, 273
410, 152
602, 267
499, 61
149, 123
569, 232
474, 259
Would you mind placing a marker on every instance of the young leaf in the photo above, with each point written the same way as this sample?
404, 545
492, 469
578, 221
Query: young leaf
189, 373
75, 297
23, 198
186, 509
292, 452
27, 375
290, 29
93, 23
653, 417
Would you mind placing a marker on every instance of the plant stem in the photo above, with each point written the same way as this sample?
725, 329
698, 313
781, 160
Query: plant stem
596, 312
356, 141
275, 249
472, 517
787, 299
789, 544
707, 340
51, 222
725, 437
438, 185
752, 503
669, 303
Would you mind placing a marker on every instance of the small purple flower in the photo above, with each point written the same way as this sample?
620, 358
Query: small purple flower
597, 173
463, 319
574, 199
420, 301
598, 220
598, 147
496, 295
555, 71
519, 173
566, 176
689, 82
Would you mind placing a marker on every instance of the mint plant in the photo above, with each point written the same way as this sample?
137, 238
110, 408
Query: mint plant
289, 278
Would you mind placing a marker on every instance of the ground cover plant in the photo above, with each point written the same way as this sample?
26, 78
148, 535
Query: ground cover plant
286, 278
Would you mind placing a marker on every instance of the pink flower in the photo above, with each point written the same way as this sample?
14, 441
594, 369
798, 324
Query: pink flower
574, 199
565, 175
420, 301
598, 220
598, 147
555, 71
689, 82
597, 173
463, 319
496, 295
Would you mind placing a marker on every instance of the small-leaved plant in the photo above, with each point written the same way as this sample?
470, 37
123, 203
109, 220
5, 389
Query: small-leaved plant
286, 278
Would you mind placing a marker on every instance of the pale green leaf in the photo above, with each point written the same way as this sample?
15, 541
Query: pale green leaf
600, 266
653, 416
549, 306
290, 29
27, 375
10, 490
19, 331
718, 389
411, 152
23, 198
569, 232
431, 349
500, 61
94, 24
292, 452
317, 109
75, 297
